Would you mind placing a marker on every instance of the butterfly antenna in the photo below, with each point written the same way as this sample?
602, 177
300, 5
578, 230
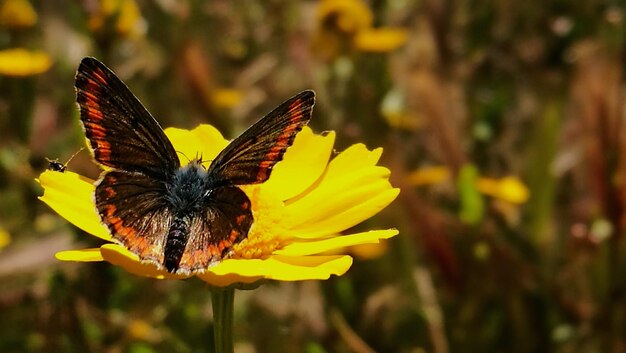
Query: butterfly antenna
74, 155
184, 155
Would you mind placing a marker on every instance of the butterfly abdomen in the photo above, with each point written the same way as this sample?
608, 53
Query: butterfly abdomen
175, 243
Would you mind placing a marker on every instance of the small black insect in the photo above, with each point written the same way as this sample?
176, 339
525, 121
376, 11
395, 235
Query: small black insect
56, 166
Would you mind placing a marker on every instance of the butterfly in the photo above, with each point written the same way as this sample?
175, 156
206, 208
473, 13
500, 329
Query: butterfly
56, 166
182, 218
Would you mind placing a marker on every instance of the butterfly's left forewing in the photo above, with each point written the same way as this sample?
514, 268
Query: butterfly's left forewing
250, 158
121, 132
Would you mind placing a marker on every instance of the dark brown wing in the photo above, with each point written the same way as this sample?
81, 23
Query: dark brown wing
249, 158
122, 133
133, 207
212, 235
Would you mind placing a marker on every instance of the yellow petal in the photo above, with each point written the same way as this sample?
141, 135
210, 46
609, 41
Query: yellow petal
300, 268
227, 279
71, 196
120, 256
352, 190
343, 202
21, 62
380, 40
352, 160
369, 251
204, 141
348, 218
302, 248
82, 255
303, 163
277, 267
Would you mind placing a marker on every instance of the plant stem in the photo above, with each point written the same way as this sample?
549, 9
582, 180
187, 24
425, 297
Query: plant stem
222, 300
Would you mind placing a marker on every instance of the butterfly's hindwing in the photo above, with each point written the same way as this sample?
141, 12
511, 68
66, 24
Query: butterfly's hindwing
133, 207
212, 233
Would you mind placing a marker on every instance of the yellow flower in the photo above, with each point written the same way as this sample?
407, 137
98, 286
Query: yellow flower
21, 62
226, 97
299, 212
123, 15
429, 175
5, 238
347, 16
380, 40
347, 24
17, 14
140, 329
509, 189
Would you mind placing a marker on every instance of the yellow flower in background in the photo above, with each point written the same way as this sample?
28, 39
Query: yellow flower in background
348, 16
429, 175
5, 238
140, 329
380, 40
123, 16
510, 188
343, 25
17, 14
299, 213
226, 97
22, 62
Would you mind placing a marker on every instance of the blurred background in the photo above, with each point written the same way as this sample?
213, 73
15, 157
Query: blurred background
501, 122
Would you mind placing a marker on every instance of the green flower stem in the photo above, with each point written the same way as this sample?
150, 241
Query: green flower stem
223, 300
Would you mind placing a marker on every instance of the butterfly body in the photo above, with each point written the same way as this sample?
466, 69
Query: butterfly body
190, 192
184, 219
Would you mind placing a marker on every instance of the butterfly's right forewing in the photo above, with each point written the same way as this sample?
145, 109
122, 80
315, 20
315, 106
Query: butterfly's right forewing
250, 158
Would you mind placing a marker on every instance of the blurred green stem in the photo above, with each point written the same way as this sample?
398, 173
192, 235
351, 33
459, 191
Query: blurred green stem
223, 300
543, 149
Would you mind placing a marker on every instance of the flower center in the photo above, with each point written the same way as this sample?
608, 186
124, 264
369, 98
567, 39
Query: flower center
268, 232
